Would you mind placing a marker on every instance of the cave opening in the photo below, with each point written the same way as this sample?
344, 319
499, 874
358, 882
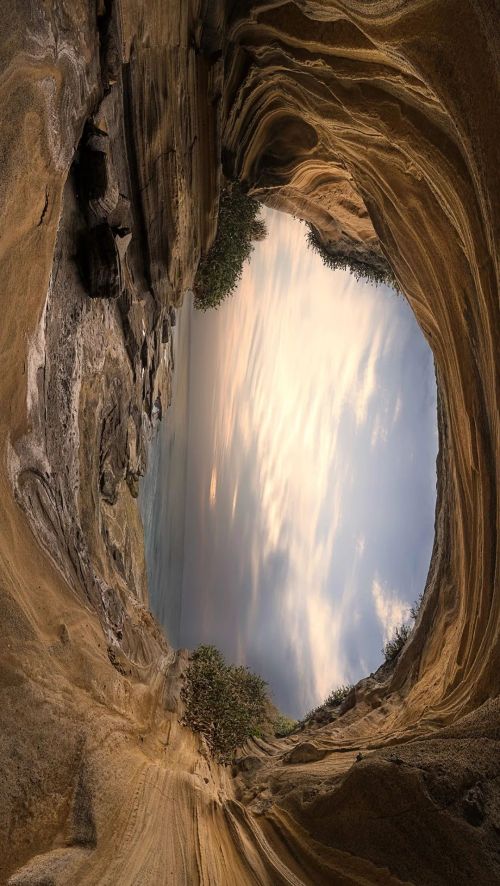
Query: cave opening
377, 122
296, 528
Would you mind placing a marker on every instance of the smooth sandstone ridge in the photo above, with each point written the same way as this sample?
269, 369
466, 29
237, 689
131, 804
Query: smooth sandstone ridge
377, 121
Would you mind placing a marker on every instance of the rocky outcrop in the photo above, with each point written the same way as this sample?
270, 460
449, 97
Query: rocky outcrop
367, 92
376, 123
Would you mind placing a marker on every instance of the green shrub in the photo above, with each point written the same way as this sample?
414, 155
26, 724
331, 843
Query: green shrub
238, 227
338, 695
335, 699
376, 272
415, 609
284, 726
226, 703
394, 646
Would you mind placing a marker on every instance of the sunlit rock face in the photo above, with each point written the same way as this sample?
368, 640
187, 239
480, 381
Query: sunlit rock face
376, 122
373, 121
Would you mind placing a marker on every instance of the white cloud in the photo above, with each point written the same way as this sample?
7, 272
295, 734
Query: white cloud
380, 432
390, 609
397, 409
368, 385
298, 349
278, 353
360, 546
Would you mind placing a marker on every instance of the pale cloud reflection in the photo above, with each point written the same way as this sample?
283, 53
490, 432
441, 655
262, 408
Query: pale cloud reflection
213, 487
278, 394
295, 362
391, 611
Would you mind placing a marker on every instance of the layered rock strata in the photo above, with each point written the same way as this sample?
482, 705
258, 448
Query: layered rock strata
376, 123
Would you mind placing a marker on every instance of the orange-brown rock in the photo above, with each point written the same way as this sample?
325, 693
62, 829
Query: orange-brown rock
377, 122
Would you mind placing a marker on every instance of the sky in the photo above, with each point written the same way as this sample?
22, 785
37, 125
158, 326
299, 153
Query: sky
311, 477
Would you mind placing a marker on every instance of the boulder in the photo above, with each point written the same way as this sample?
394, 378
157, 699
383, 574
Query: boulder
305, 752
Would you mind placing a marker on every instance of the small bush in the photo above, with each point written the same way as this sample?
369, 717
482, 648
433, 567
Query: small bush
284, 726
394, 646
227, 704
238, 227
338, 695
415, 609
376, 272
335, 699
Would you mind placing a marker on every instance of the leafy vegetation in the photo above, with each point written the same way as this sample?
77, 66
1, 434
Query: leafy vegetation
228, 704
338, 695
335, 699
415, 609
394, 646
238, 227
378, 272
284, 726
401, 633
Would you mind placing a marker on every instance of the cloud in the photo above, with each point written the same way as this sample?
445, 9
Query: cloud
380, 432
360, 546
391, 610
368, 384
286, 553
397, 409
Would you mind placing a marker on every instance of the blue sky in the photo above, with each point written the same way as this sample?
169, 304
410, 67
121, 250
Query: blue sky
311, 471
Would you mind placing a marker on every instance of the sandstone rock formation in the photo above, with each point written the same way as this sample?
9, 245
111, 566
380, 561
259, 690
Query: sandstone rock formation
378, 123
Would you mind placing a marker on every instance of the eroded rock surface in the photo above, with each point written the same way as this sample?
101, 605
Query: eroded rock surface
377, 123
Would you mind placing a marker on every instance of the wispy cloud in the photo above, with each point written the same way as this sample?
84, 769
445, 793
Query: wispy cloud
292, 395
391, 610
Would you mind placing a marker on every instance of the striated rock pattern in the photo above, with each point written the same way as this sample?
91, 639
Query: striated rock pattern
378, 123
389, 89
